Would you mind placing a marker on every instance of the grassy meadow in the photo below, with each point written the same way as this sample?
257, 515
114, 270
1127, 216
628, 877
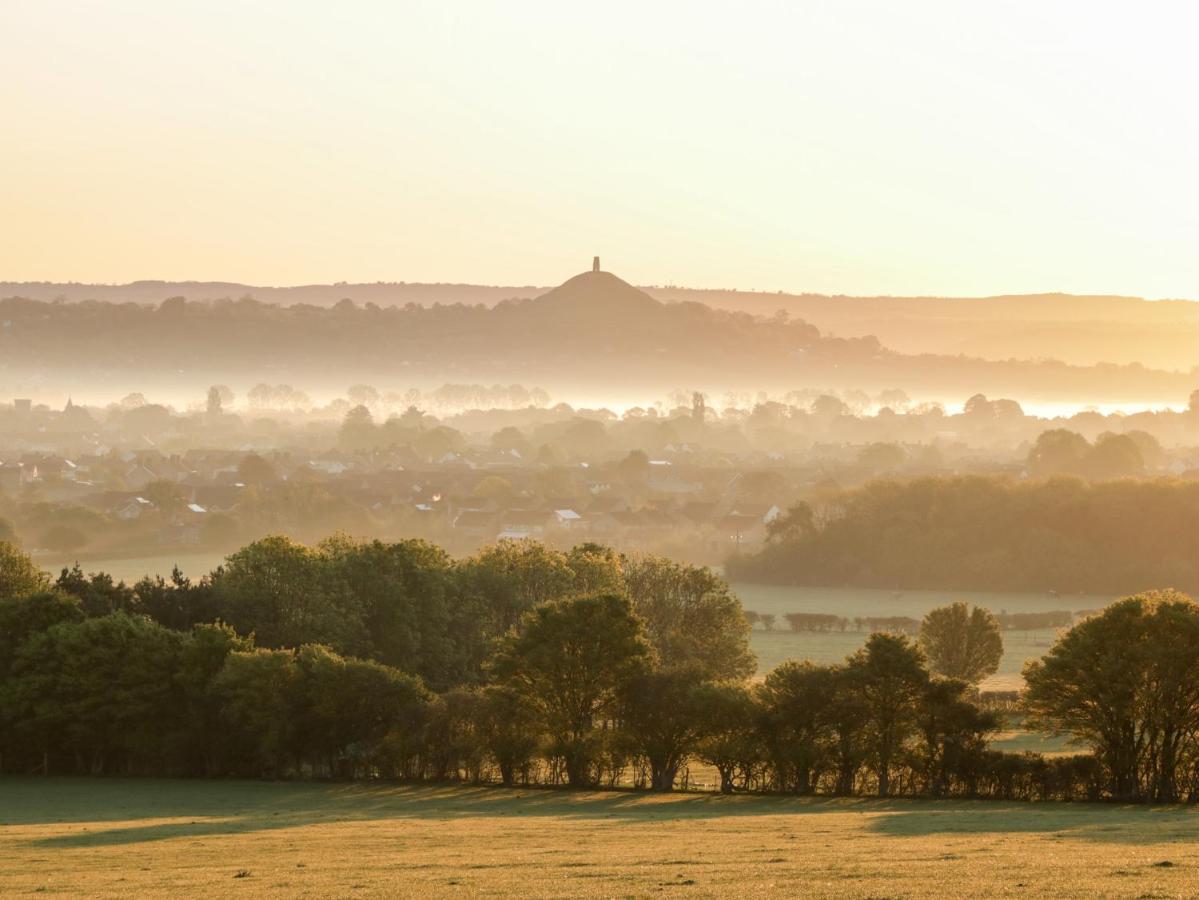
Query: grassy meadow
132, 568
773, 647
132, 838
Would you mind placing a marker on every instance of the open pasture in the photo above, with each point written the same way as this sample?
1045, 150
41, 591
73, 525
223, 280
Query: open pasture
130, 838
780, 644
130, 569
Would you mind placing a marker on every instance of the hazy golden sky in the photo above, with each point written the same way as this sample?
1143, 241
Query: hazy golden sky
859, 147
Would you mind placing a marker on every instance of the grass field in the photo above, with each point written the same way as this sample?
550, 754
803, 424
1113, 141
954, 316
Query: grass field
773, 647
131, 838
130, 569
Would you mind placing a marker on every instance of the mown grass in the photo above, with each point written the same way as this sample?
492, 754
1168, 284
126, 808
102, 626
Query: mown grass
130, 838
774, 647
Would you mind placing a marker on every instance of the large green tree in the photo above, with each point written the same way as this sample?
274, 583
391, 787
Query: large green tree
413, 615
260, 697
570, 661
892, 677
509, 729
347, 707
849, 719
1127, 683
730, 740
103, 689
691, 617
287, 594
663, 714
952, 735
199, 741
508, 579
19, 576
962, 643
796, 697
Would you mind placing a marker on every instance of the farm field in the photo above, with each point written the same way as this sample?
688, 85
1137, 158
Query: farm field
130, 569
131, 838
774, 647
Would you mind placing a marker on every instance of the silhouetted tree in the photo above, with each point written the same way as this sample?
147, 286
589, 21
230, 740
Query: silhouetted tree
961, 642
892, 677
1127, 682
570, 662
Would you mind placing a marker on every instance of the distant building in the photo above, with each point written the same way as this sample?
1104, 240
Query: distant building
595, 264
567, 518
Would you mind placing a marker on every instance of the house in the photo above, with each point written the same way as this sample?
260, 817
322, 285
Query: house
568, 519
765, 512
138, 475
218, 497
479, 524
516, 524
132, 509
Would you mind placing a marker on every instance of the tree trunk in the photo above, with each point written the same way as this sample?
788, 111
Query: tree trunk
662, 776
726, 779
846, 775
803, 780
577, 769
1166, 789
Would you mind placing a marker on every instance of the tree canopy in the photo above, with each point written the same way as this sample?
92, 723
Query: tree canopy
961, 643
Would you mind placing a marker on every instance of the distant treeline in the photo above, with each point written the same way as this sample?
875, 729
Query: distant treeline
524, 665
1079, 329
823, 623
989, 533
594, 325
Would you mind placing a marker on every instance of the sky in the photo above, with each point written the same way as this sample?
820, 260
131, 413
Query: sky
950, 148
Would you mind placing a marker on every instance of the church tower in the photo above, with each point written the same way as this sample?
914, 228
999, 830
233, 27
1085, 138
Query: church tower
595, 264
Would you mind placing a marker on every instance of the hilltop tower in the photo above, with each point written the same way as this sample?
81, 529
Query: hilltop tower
595, 264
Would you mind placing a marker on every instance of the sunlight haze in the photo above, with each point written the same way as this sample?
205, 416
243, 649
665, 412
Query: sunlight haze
557, 450
864, 147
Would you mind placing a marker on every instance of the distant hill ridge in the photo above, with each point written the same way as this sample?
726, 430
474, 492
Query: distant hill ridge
593, 330
401, 292
1078, 329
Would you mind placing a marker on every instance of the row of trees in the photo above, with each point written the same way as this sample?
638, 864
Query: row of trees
823, 623
580, 693
412, 606
988, 533
640, 681
1060, 451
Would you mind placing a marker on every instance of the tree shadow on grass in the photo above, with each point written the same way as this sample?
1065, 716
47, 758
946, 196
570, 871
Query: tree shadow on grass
134, 811
1103, 822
